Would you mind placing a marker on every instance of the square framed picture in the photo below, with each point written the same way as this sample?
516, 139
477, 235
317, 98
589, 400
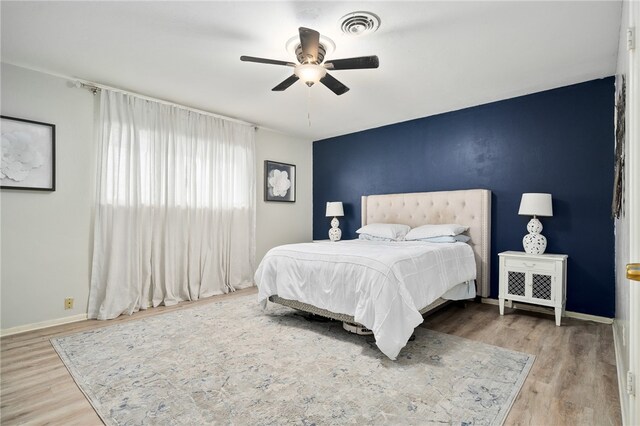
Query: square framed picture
279, 181
28, 154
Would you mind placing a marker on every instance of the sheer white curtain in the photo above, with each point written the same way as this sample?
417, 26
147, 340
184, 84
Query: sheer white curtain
175, 217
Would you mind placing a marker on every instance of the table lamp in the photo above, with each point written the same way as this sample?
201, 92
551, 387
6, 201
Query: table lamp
334, 208
535, 204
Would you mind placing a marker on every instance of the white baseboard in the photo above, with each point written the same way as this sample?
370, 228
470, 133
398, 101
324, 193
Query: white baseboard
507, 303
39, 325
588, 317
622, 375
545, 310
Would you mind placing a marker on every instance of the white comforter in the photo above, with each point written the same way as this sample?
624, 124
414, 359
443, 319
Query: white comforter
382, 285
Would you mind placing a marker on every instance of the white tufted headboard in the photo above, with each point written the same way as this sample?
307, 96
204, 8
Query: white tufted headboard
471, 207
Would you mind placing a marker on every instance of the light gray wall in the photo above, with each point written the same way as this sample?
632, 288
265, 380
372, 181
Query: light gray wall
277, 222
46, 238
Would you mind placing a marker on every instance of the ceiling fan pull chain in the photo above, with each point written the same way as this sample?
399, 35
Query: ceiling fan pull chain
309, 105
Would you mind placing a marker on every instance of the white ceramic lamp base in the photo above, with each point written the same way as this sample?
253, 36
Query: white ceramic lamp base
534, 242
335, 233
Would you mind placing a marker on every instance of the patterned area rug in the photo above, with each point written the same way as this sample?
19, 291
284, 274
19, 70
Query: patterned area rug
232, 363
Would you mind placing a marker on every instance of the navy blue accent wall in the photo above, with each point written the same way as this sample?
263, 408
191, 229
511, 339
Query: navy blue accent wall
559, 141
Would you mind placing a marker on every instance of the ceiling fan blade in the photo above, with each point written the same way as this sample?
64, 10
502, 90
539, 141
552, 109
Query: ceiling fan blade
266, 61
310, 41
353, 63
334, 85
288, 82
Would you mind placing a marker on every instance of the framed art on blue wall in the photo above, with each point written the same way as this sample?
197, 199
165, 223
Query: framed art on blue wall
279, 181
28, 155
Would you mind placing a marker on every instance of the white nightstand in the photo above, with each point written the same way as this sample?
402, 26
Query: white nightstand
540, 279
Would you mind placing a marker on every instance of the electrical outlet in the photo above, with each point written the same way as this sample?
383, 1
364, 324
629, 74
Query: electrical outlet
68, 303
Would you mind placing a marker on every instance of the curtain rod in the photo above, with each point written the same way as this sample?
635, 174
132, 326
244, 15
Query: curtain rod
96, 87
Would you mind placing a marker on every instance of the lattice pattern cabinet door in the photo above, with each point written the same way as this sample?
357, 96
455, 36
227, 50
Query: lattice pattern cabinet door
541, 286
537, 279
516, 283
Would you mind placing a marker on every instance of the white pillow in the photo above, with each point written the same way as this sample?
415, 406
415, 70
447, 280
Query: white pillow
447, 239
394, 231
374, 238
429, 231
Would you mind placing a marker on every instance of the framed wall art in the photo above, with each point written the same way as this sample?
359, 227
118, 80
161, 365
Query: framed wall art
617, 204
28, 154
279, 182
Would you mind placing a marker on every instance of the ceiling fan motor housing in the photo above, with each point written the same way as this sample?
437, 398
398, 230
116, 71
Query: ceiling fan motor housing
302, 59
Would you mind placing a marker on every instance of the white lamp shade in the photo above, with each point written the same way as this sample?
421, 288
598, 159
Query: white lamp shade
536, 204
310, 73
334, 208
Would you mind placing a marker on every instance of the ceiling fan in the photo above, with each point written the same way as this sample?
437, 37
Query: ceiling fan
310, 53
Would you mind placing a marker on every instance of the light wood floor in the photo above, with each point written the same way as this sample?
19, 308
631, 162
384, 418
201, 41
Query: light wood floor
573, 380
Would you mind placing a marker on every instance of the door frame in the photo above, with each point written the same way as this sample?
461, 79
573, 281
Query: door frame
633, 199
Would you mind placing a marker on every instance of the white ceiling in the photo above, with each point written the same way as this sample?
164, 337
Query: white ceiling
434, 56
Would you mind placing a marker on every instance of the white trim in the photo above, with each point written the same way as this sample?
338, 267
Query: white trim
622, 375
632, 162
488, 301
43, 324
588, 317
632, 194
550, 311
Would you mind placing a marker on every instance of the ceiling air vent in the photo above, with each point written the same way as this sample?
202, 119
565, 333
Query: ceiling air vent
359, 23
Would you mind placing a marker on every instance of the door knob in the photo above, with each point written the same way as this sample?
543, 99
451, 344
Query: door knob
633, 271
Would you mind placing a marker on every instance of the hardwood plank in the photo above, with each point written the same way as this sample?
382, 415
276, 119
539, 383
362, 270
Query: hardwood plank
573, 380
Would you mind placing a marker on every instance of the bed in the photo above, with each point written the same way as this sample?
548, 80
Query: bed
382, 285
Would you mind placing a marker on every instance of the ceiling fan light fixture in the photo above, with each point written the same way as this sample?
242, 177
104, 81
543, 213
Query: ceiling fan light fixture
310, 73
